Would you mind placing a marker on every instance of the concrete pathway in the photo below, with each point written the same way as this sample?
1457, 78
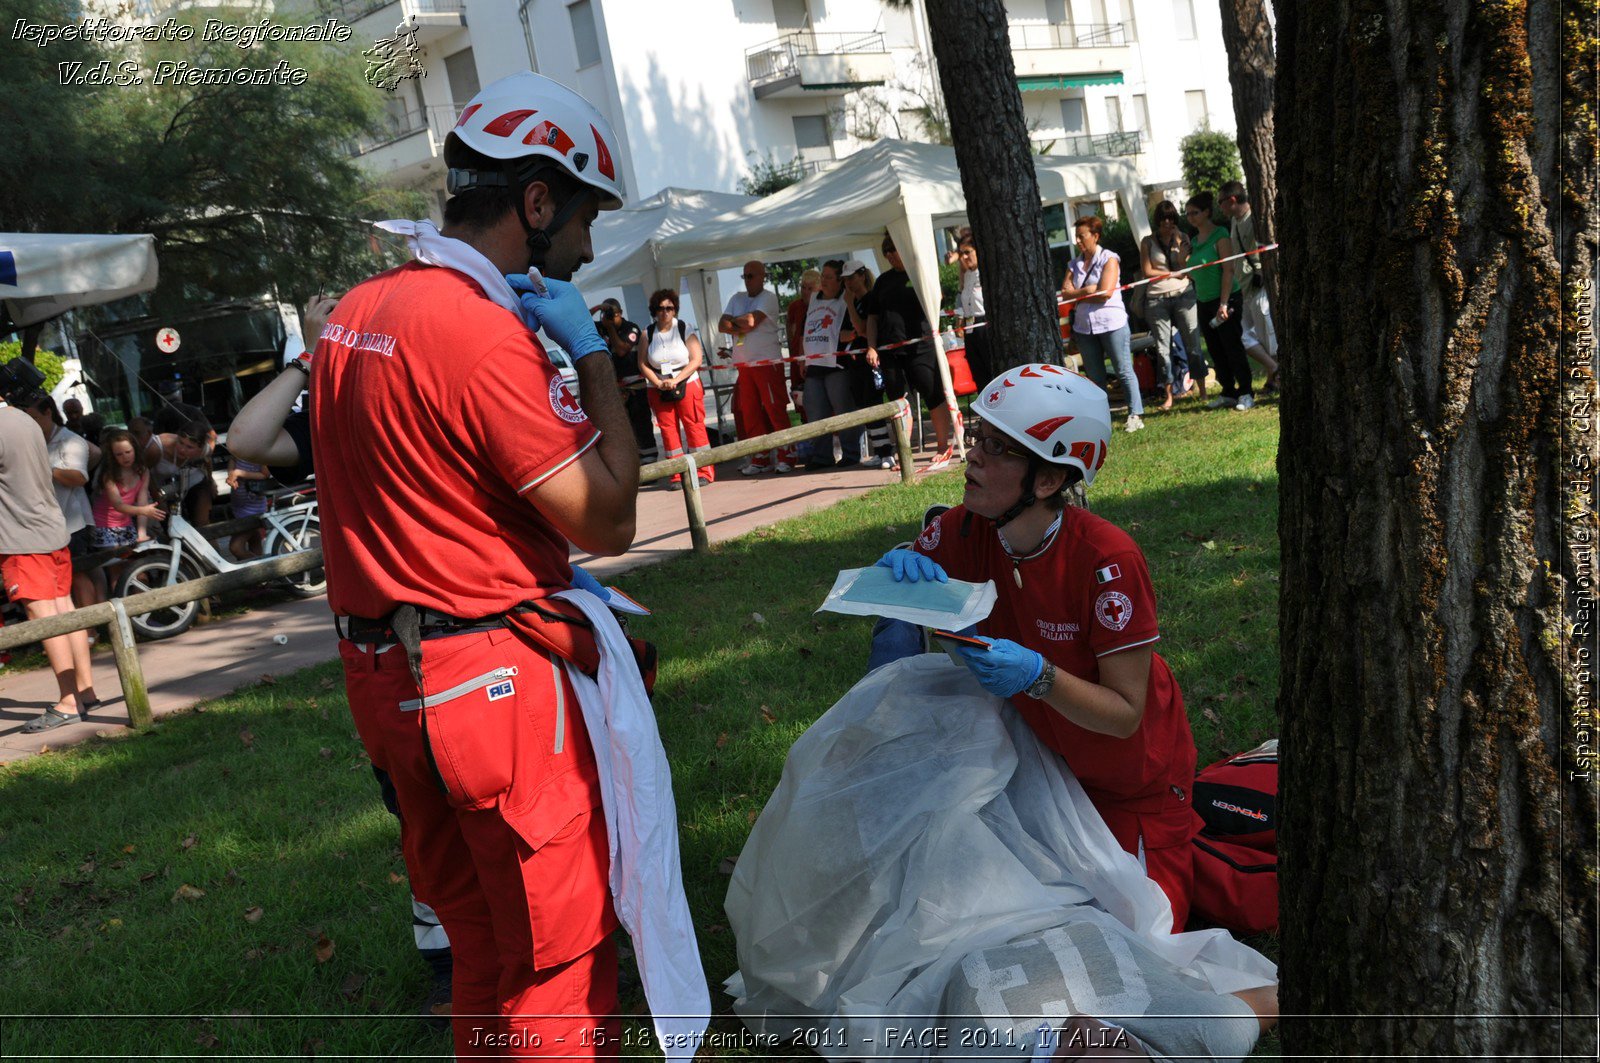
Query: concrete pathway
215, 659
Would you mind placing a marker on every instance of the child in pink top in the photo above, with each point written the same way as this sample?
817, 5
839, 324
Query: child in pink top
122, 499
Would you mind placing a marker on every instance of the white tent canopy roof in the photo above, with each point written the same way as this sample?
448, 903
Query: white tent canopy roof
45, 274
625, 240
850, 205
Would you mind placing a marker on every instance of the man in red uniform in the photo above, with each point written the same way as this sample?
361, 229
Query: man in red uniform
1072, 637
455, 466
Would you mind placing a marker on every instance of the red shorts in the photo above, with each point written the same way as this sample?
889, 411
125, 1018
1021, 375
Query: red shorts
37, 577
502, 832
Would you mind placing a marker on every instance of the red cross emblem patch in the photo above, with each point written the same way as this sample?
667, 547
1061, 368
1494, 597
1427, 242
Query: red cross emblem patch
1114, 610
564, 403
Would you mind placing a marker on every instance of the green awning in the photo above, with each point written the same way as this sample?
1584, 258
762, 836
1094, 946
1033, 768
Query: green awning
1067, 81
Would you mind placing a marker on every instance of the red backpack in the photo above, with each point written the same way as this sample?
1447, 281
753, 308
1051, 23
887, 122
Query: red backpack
1236, 851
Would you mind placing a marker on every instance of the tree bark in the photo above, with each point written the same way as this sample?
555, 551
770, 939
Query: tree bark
1252, 70
1439, 813
979, 79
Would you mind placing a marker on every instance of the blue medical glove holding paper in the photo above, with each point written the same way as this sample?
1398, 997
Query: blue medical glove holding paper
1004, 668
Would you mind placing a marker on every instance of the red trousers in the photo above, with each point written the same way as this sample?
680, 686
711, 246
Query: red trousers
1165, 843
503, 835
761, 402
683, 423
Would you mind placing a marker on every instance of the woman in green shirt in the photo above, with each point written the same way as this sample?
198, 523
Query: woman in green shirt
1220, 318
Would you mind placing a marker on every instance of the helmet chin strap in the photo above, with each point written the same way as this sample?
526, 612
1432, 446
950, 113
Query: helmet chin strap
1023, 502
539, 239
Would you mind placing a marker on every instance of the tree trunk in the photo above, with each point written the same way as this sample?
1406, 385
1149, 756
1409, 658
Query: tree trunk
1439, 804
1247, 36
979, 79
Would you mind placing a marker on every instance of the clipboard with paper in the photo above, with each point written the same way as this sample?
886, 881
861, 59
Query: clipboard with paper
874, 591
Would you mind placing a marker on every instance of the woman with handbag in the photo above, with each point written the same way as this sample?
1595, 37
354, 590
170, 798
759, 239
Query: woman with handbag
1170, 303
669, 359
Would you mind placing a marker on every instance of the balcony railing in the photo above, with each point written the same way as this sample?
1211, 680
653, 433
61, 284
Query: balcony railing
1055, 35
397, 127
1081, 145
777, 59
351, 11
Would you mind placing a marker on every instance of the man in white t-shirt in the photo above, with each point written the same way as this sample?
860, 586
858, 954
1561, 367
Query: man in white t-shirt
71, 457
760, 400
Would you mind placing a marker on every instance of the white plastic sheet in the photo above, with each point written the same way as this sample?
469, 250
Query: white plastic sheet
917, 822
874, 591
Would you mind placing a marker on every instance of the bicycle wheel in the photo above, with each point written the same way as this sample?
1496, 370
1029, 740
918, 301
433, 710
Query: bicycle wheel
312, 582
148, 572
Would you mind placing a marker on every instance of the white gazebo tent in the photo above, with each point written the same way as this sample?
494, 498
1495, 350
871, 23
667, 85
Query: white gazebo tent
906, 188
627, 241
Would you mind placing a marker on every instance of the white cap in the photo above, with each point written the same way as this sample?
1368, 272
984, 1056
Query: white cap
852, 267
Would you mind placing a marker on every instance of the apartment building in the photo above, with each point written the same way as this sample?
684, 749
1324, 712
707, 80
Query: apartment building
700, 90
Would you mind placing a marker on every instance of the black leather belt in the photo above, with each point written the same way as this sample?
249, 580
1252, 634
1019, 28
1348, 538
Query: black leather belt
367, 631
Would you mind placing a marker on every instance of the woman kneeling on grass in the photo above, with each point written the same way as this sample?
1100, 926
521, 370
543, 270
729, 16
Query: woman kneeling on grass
1071, 638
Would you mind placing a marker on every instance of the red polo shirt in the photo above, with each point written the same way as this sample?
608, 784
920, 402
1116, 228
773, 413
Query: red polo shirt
434, 412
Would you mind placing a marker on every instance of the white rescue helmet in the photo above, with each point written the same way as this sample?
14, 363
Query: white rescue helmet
530, 117
1059, 415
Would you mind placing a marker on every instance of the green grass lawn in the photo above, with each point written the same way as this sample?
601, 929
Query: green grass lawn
235, 868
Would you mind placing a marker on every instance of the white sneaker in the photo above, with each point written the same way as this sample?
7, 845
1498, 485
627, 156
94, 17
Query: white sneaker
1219, 402
889, 462
753, 469
1245, 402
1135, 423
782, 467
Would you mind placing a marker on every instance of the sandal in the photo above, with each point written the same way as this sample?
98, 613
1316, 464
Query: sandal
50, 720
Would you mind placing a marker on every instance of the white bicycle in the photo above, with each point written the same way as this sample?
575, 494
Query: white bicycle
186, 554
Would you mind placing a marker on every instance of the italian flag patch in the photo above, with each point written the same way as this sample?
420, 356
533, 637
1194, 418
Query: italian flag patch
1107, 574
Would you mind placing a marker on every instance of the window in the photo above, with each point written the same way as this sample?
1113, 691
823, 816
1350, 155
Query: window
1183, 19
811, 137
1141, 118
461, 70
790, 15
1072, 122
1198, 115
1055, 13
585, 39
1113, 115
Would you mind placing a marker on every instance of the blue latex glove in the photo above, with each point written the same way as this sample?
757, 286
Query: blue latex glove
912, 566
582, 581
1005, 669
561, 312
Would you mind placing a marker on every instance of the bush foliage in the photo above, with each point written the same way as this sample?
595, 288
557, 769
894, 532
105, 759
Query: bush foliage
1210, 159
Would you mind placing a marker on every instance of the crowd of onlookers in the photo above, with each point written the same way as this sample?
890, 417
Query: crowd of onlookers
101, 489
852, 339
849, 340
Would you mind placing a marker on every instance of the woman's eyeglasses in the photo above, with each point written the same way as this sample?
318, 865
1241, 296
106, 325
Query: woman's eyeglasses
995, 446
664, 306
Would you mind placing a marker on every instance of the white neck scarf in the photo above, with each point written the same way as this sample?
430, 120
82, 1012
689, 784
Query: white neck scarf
429, 246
